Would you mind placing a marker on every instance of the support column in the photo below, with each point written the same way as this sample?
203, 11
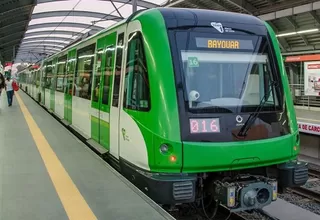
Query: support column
134, 6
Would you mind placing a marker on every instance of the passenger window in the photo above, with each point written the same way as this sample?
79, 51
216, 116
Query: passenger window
118, 67
61, 71
68, 80
48, 75
83, 76
136, 88
108, 75
96, 86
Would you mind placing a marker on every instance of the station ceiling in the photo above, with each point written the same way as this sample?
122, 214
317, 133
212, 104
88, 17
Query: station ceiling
14, 19
33, 29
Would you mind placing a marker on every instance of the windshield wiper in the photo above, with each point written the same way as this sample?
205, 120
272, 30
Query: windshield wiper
244, 129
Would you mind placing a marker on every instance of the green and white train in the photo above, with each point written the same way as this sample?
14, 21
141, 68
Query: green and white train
187, 104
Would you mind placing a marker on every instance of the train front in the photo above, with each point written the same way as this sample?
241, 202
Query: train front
237, 120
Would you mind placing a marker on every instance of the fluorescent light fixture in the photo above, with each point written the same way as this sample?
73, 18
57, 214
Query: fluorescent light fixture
298, 32
286, 34
307, 31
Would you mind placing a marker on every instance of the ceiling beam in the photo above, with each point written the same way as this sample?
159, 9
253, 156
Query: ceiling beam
243, 5
172, 4
75, 13
8, 7
315, 16
28, 41
283, 43
37, 44
51, 38
288, 8
144, 4
65, 24
37, 33
18, 34
295, 26
53, 50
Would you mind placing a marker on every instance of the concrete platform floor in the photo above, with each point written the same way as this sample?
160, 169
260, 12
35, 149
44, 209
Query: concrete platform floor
286, 211
34, 186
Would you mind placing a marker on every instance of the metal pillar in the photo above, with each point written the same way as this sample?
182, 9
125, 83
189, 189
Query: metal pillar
134, 6
13, 52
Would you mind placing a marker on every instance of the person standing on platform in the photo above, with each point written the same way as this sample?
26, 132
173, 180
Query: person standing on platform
2, 86
10, 91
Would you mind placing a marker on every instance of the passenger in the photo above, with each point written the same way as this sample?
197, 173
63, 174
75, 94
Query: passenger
10, 91
2, 86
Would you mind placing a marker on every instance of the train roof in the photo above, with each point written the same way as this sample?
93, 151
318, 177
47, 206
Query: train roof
202, 15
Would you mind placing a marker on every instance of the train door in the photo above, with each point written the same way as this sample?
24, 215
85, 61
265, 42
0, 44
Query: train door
100, 114
42, 83
115, 106
53, 84
69, 82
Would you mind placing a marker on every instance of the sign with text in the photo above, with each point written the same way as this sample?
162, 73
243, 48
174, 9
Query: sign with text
309, 128
312, 78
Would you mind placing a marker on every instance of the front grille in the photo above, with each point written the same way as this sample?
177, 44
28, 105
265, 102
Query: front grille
182, 190
300, 175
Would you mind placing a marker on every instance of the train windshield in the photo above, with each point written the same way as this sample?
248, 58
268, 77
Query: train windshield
227, 73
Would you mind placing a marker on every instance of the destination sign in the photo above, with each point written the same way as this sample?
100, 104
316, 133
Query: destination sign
213, 43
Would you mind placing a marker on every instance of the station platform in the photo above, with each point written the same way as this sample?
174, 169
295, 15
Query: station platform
283, 210
47, 173
308, 120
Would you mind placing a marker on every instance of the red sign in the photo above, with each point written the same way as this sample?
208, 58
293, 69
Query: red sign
311, 57
309, 128
313, 66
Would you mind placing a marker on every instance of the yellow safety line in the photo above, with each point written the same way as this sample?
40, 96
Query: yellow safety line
74, 204
308, 119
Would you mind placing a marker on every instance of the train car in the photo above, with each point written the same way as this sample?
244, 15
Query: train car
187, 104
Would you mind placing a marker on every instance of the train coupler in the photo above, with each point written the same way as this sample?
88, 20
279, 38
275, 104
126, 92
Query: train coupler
245, 194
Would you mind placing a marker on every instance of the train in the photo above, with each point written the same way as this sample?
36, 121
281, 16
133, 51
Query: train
190, 105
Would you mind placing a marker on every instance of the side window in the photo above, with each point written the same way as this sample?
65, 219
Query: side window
83, 77
118, 67
48, 75
61, 70
136, 88
108, 75
96, 87
68, 80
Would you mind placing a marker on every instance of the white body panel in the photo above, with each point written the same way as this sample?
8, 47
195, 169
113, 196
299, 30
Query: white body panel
81, 119
47, 98
59, 104
132, 147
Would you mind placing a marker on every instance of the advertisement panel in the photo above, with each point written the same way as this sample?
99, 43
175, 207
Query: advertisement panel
312, 78
309, 128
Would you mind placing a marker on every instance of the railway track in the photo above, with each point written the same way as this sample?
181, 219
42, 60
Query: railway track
223, 213
314, 172
309, 192
305, 192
